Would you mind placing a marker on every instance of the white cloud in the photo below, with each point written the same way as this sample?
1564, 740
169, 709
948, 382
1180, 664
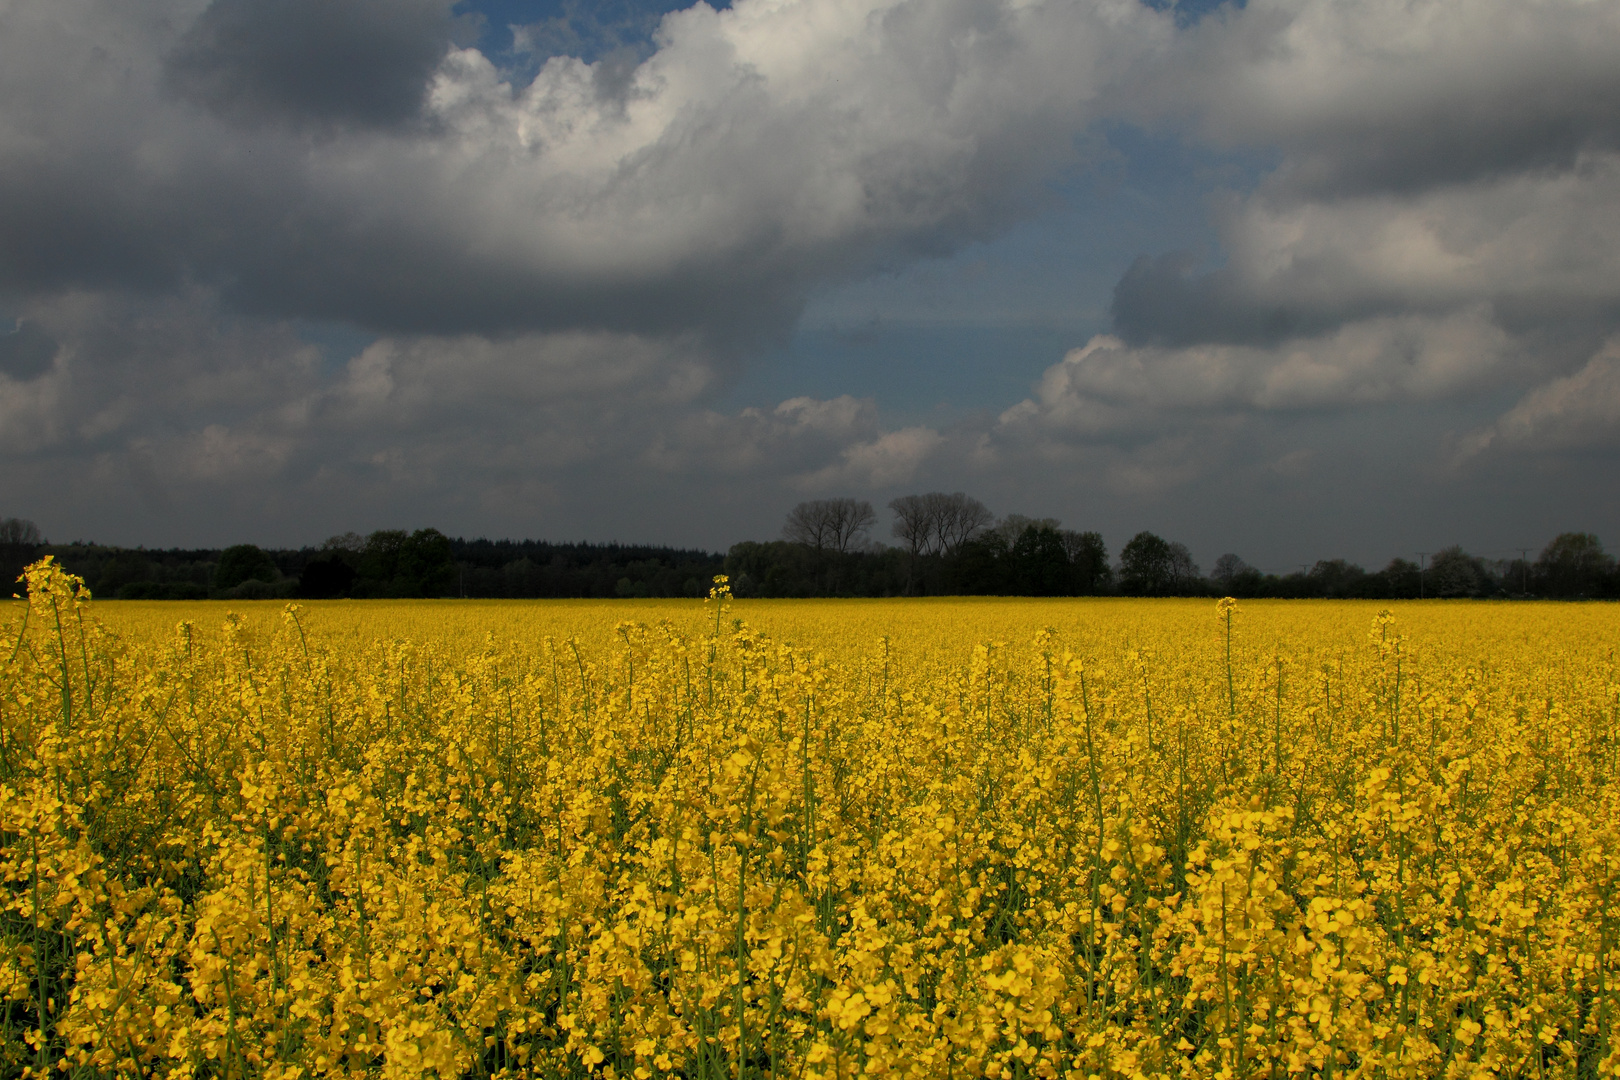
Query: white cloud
800, 433
1432, 156
1535, 237
1109, 388
1399, 94
417, 379
893, 458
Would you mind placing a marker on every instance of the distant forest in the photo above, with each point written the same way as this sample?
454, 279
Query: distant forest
946, 544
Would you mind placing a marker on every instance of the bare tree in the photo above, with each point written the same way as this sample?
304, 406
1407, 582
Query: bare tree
958, 518
807, 524
937, 524
852, 519
913, 522
833, 524
19, 531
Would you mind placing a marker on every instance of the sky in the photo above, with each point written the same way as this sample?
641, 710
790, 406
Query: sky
1293, 279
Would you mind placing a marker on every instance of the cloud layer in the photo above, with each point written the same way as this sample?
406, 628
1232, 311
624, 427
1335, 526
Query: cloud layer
344, 160
548, 277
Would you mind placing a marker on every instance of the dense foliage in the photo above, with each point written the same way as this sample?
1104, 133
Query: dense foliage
388, 563
922, 838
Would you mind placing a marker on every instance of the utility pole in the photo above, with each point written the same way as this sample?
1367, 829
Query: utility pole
1524, 562
1421, 556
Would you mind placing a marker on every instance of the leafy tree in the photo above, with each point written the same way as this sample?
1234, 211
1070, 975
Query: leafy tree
1574, 565
244, 562
327, 577
1011, 527
1153, 566
1336, 578
981, 567
379, 560
1040, 563
425, 564
397, 563
1088, 560
1144, 565
1454, 573
1400, 580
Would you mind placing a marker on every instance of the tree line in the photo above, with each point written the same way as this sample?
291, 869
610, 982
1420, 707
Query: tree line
385, 563
951, 544
945, 544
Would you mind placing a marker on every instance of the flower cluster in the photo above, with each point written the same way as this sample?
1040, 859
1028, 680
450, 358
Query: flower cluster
1019, 839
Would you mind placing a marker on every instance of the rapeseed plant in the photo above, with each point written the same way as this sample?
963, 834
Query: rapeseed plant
925, 839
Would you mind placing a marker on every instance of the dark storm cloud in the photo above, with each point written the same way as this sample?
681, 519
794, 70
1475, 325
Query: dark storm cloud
302, 62
1164, 300
752, 157
1447, 149
26, 351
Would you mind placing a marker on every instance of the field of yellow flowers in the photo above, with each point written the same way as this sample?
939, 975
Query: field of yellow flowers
807, 840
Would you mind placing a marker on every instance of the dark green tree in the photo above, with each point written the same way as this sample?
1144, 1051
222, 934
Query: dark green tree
1336, 578
1088, 561
1150, 565
1574, 565
1400, 580
379, 560
425, 565
326, 577
1040, 563
1455, 573
244, 562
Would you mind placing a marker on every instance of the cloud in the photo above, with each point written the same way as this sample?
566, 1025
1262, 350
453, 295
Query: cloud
312, 62
800, 433
1441, 221
1576, 412
758, 152
183, 414
26, 352
893, 458
1396, 96
1109, 388
1536, 246
553, 271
